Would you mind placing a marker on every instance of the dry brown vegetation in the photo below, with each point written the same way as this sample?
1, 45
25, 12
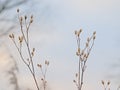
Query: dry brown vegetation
82, 54
23, 41
82, 57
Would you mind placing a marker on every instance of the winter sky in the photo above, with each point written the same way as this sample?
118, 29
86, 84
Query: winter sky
52, 34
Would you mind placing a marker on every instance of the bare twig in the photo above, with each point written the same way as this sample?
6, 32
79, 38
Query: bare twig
24, 37
82, 56
106, 85
44, 71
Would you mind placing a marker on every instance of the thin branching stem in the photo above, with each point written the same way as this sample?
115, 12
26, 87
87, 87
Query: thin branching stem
25, 37
83, 56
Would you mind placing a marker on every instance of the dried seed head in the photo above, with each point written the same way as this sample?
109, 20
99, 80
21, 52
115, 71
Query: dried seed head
94, 32
76, 32
31, 16
32, 53
78, 50
77, 53
21, 19
33, 49
10, 36
45, 61
48, 63
31, 21
108, 83
94, 37
18, 10
20, 39
76, 75
39, 65
85, 55
102, 82
74, 81
80, 30
42, 79
25, 17
87, 44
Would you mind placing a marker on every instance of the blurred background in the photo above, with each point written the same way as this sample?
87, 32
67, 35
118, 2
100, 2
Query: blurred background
52, 34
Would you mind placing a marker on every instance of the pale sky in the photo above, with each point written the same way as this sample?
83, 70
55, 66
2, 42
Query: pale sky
52, 34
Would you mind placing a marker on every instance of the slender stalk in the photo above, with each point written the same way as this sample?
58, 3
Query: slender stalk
83, 56
25, 37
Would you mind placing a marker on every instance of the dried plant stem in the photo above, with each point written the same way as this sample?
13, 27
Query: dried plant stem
105, 85
31, 69
82, 57
44, 71
25, 37
24, 28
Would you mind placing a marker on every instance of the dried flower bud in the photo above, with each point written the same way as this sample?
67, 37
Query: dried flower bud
10, 36
102, 82
76, 75
94, 32
42, 79
87, 44
78, 50
108, 83
31, 16
48, 63
45, 61
31, 21
32, 53
94, 37
33, 49
85, 55
75, 32
21, 19
74, 81
39, 65
25, 17
77, 53
80, 30
20, 39
18, 10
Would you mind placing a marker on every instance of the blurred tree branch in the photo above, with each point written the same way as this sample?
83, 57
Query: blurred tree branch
7, 5
6, 25
6, 31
